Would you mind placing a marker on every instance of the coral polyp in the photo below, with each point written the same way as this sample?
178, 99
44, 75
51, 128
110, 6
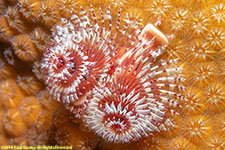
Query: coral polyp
197, 129
29, 9
218, 12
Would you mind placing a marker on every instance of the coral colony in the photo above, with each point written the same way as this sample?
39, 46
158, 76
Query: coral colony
109, 67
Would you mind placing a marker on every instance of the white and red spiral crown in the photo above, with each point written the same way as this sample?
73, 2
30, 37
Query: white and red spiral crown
112, 72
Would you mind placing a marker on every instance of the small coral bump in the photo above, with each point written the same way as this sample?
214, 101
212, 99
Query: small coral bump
218, 13
30, 108
14, 19
2, 7
6, 71
3, 141
199, 24
197, 129
42, 139
82, 141
13, 123
180, 143
196, 5
29, 84
215, 97
6, 31
60, 116
10, 93
87, 142
10, 56
216, 38
47, 101
11, 2
219, 124
216, 142
172, 128
36, 69
43, 120
33, 137
153, 142
95, 3
117, 4
222, 54
41, 38
48, 13
176, 50
2, 131
221, 68
202, 74
63, 137
159, 8
29, 9
193, 103
68, 7
136, 16
199, 51
179, 21
178, 3
24, 48
18, 141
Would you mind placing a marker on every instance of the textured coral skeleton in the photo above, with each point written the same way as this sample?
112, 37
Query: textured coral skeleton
125, 92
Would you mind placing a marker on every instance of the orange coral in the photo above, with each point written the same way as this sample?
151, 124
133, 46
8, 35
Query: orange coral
200, 22
14, 19
202, 74
216, 38
6, 70
40, 38
193, 102
10, 93
180, 143
179, 23
200, 51
42, 121
67, 7
29, 9
2, 7
48, 12
197, 129
13, 123
218, 13
30, 109
216, 142
29, 84
219, 124
3, 141
24, 47
215, 98
5, 31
